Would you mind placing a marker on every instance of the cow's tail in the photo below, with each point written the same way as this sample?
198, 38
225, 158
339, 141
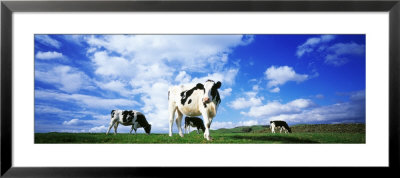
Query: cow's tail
168, 95
112, 113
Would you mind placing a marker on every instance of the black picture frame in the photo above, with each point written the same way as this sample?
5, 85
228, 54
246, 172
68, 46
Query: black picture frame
8, 7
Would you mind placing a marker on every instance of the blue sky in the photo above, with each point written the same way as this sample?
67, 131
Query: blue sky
302, 79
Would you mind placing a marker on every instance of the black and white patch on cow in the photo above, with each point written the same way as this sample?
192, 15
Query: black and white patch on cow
280, 124
194, 122
201, 99
128, 117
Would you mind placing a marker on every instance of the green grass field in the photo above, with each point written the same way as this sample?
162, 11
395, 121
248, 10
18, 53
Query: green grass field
317, 133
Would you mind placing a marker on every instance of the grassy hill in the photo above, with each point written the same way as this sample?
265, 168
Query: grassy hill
301, 128
316, 133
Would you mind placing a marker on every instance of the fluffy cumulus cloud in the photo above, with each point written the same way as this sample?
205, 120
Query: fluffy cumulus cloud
277, 108
189, 51
249, 100
278, 76
145, 66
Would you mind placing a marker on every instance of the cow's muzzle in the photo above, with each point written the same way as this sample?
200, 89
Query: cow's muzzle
206, 100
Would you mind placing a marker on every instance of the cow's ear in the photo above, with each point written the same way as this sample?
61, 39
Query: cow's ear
218, 84
200, 86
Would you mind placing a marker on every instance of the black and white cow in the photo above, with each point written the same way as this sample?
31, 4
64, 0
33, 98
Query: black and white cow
280, 124
202, 99
194, 122
128, 117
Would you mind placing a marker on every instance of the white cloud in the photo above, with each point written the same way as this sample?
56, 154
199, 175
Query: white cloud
48, 41
336, 54
339, 52
311, 44
277, 76
188, 51
305, 111
218, 125
226, 77
183, 77
275, 90
277, 108
72, 122
226, 92
115, 86
338, 111
85, 100
64, 77
48, 55
98, 129
249, 100
77, 39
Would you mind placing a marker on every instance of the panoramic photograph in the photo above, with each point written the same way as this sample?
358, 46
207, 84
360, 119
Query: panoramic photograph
200, 89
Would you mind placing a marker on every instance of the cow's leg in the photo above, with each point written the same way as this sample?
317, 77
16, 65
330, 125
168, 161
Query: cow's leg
207, 124
131, 130
179, 122
171, 109
115, 128
135, 126
272, 128
112, 122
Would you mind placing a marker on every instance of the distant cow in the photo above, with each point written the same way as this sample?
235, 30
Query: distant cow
194, 122
128, 117
280, 124
202, 99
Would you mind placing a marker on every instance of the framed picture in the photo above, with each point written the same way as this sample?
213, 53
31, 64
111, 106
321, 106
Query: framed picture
314, 76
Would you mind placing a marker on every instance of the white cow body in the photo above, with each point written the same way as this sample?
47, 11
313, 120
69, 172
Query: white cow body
194, 101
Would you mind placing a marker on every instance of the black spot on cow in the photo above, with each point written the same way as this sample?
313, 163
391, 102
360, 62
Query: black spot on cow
127, 116
141, 119
186, 94
189, 101
215, 93
112, 113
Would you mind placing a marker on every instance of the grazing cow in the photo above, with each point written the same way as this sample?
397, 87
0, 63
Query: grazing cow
282, 124
194, 122
202, 99
128, 117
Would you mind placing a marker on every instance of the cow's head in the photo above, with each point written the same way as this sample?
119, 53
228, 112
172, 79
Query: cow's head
147, 129
211, 91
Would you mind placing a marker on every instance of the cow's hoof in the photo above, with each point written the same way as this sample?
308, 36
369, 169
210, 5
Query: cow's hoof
210, 139
181, 135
